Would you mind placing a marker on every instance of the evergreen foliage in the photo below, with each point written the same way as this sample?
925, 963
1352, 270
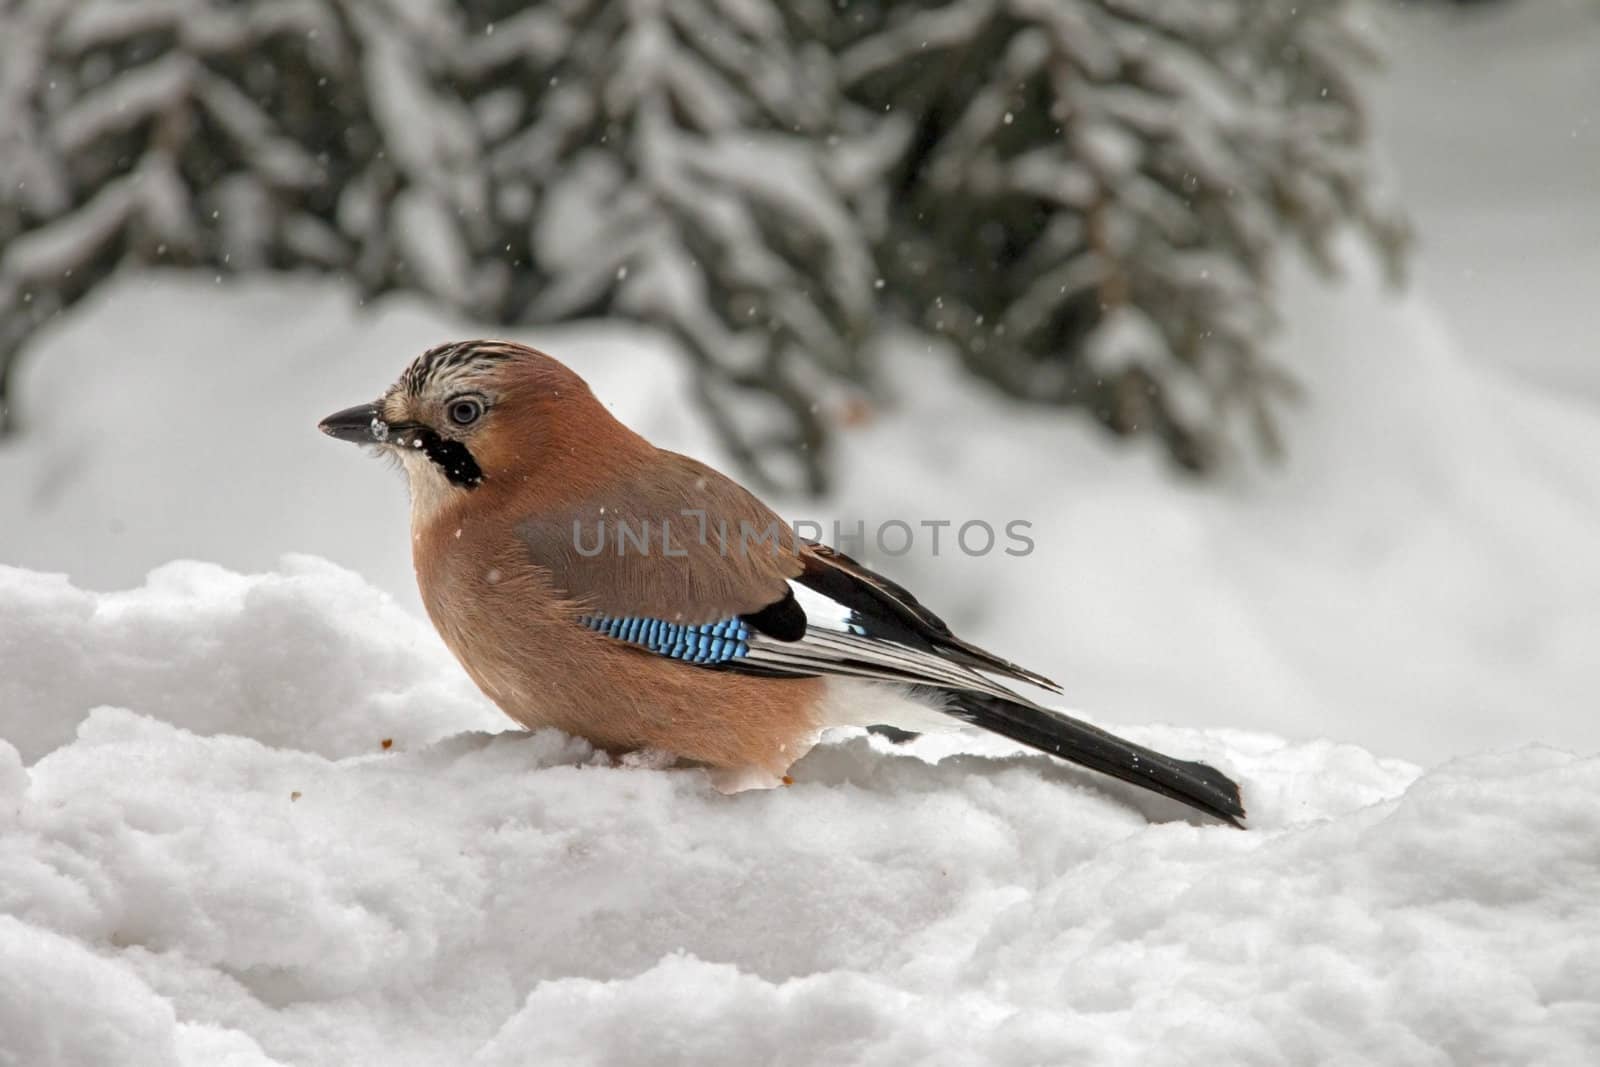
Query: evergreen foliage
1084, 197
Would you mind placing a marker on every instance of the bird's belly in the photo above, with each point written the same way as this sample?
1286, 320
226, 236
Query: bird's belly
528, 653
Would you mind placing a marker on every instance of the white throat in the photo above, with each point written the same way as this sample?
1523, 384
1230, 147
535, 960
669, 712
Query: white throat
431, 491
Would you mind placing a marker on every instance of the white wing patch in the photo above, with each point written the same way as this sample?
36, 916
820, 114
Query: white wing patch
826, 613
836, 642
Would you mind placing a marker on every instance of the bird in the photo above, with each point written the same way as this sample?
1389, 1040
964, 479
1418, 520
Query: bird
590, 581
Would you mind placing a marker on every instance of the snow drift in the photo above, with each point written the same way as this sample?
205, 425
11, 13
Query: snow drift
208, 856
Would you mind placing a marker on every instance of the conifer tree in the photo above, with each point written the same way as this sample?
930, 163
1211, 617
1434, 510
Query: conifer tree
1085, 198
1091, 193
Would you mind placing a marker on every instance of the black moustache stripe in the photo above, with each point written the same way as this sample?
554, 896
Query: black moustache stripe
452, 457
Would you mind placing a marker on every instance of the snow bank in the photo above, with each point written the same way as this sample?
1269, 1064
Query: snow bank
214, 652
213, 860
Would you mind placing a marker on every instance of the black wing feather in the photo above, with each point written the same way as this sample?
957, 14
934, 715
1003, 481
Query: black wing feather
891, 612
783, 619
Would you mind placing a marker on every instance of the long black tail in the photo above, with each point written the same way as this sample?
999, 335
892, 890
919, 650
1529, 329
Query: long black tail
1194, 784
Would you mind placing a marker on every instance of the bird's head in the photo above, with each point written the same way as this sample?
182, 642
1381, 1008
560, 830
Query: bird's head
474, 413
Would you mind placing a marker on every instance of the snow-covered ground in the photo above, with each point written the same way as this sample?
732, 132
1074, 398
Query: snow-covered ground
207, 856
218, 862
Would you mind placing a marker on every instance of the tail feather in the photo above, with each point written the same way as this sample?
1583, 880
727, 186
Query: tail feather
1194, 784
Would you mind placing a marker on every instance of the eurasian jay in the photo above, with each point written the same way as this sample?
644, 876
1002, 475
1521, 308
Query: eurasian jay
590, 581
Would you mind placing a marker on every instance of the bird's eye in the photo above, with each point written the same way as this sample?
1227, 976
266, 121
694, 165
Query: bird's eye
464, 411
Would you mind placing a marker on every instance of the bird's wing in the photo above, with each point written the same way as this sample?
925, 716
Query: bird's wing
817, 636
832, 617
879, 609
674, 541
678, 545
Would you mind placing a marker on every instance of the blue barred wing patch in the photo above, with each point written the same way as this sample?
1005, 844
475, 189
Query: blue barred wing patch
712, 642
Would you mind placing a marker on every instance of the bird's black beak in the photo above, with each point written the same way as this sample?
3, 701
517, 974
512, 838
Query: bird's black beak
361, 424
